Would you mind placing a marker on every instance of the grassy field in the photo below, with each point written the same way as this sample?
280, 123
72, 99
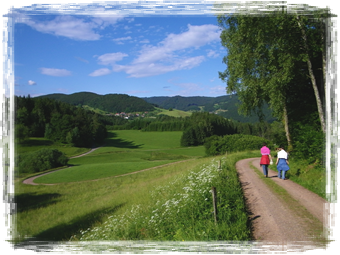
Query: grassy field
172, 202
38, 143
173, 113
125, 151
37, 217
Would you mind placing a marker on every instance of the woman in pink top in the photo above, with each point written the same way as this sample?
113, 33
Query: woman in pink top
265, 159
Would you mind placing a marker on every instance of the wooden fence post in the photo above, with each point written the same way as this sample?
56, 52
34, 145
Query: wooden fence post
213, 191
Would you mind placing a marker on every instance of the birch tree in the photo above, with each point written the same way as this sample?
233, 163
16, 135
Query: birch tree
266, 57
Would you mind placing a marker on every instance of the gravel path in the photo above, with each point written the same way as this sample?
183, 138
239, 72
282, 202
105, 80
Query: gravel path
275, 221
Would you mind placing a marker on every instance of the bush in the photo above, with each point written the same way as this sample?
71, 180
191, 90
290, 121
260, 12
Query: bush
309, 144
6, 186
41, 160
217, 145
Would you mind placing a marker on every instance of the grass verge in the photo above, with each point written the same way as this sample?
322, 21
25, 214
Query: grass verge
317, 230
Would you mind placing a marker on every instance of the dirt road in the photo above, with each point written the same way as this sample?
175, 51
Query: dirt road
280, 219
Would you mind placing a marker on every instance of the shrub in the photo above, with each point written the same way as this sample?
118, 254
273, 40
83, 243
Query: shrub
309, 144
217, 145
41, 160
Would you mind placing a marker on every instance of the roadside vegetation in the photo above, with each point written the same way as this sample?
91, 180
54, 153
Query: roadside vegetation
181, 209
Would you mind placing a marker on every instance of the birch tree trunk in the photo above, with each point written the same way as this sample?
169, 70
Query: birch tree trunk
285, 120
313, 80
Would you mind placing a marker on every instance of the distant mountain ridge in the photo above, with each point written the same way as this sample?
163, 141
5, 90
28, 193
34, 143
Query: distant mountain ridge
110, 102
226, 106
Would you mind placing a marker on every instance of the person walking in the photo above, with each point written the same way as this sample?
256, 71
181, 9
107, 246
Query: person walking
266, 158
282, 163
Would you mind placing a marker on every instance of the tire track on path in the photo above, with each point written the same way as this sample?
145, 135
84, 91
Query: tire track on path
274, 220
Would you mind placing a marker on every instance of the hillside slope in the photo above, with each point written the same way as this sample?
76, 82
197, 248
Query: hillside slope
110, 103
226, 106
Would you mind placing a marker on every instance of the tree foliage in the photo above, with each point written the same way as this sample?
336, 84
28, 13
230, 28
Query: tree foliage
271, 59
58, 121
19, 132
216, 145
203, 125
109, 103
41, 160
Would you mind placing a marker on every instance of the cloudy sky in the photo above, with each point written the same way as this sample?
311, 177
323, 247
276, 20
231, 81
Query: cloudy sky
139, 55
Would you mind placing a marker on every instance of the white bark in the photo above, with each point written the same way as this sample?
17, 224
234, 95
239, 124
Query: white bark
313, 80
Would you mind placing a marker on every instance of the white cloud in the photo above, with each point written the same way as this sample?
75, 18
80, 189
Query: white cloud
30, 82
212, 54
144, 41
55, 72
8, 80
100, 72
72, 27
120, 40
105, 18
111, 58
169, 55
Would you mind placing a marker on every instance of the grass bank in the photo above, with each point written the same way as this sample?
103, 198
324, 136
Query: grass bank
310, 176
181, 208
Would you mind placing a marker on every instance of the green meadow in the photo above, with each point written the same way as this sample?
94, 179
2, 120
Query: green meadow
171, 201
125, 151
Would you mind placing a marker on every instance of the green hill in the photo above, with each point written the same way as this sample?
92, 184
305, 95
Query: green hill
109, 103
226, 106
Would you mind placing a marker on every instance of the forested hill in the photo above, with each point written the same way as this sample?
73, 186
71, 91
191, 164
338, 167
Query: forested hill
226, 106
110, 103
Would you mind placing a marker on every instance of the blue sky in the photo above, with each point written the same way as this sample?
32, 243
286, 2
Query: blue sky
144, 56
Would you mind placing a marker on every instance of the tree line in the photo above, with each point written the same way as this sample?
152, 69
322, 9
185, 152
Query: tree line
111, 103
57, 121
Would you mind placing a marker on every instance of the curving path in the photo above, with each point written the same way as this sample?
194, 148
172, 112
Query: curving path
273, 219
30, 180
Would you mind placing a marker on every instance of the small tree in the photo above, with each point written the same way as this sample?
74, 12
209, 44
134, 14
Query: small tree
41, 160
19, 132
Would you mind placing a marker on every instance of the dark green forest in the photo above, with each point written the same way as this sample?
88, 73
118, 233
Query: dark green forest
58, 121
111, 103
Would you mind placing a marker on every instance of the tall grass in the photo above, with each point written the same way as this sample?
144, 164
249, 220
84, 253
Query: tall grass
57, 212
310, 176
182, 209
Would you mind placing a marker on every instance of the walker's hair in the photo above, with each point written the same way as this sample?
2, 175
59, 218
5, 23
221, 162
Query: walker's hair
264, 144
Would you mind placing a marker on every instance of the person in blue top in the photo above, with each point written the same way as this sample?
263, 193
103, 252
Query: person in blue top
282, 163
